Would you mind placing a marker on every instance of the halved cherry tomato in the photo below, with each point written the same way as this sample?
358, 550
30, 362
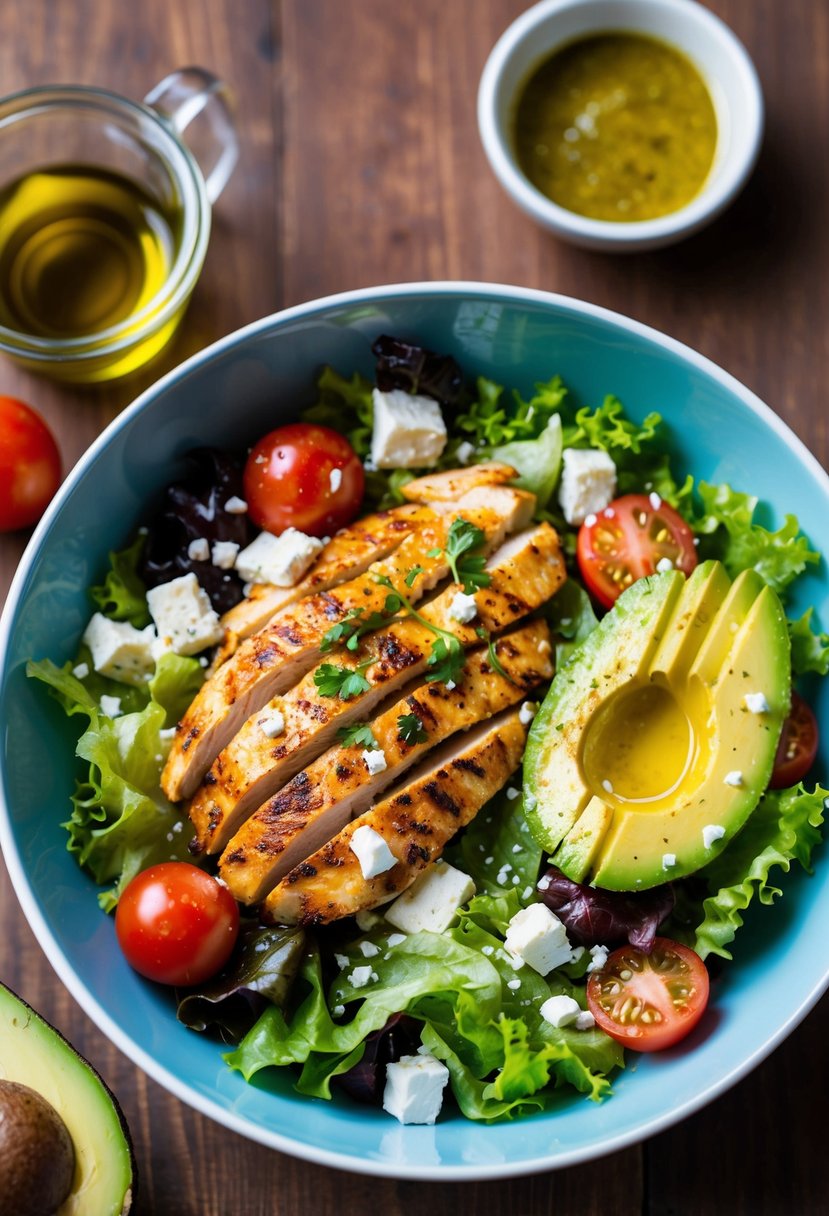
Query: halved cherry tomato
29, 465
176, 924
629, 539
306, 477
797, 748
649, 1001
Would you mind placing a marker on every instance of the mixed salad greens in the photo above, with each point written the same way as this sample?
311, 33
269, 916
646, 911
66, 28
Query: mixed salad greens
287, 996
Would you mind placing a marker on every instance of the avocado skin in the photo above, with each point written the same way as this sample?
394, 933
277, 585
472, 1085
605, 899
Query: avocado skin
33, 1053
701, 644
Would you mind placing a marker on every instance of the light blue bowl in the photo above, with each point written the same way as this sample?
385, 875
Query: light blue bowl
229, 395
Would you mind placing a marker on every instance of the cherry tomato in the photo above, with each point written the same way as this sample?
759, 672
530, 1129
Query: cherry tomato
628, 540
797, 748
29, 465
306, 477
176, 924
649, 1001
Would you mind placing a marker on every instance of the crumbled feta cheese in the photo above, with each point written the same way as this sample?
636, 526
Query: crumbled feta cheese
280, 560
598, 958
537, 937
654, 500
360, 976
414, 1088
409, 431
120, 651
372, 852
432, 900
607, 786
367, 920
338, 1011
664, 565
111, 706
735, 778
184, 616
449, 685
81, 671
588, 483
272, 724
335, 480
668, 860
341, 960
167, 732
394, 939
560, 1010
530, 801
711, 833
512, 793
465, 452
756, 703
374, 760
527, 712
368, 949
198, 550
463, 608
585, 1020
513, 985
223, 554
236, 505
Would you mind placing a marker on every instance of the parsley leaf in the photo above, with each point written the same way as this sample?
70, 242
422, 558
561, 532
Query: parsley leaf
494, 661
463, 544
446, 658
342, 682
359, 734
353, 626
412, 575
410, 729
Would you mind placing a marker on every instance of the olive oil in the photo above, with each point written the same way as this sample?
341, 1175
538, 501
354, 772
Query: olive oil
82, 250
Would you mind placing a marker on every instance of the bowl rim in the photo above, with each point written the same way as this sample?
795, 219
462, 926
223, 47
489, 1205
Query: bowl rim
715, 194
19, 879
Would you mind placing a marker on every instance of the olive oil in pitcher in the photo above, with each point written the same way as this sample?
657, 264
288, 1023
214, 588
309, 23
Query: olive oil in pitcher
82, 249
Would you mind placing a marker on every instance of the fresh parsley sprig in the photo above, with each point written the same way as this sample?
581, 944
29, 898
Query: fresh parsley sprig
494, 661
358, 734
410, 729
355, 625
342, 682
446, 657
464, 553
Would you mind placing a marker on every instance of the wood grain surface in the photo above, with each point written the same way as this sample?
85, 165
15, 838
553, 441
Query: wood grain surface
361, 164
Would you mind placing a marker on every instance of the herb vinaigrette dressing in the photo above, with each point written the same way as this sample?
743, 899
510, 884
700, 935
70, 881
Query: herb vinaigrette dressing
616, 127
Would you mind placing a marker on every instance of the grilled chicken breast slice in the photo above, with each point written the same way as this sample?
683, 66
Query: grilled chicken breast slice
345, 557
416, 819
525, 572
454, 483
340, 783
279, 655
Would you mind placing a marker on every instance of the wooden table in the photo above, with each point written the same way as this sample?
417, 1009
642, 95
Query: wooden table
361, 164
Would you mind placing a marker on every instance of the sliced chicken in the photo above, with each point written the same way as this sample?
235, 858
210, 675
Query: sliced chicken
279, 655
416, 820
340, 783
345, 556
520, 503
525, 572
454, 483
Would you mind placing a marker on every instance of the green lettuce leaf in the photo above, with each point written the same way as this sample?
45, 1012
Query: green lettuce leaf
499, 845
120, 822
492, 419
572, 618
785, 827
608, 427
810, 646
174, 684
122, 596
346, 406
538, 461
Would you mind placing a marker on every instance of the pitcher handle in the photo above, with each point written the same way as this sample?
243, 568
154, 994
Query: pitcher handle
181, 97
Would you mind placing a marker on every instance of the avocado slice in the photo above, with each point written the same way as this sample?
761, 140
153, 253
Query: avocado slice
645, 758
36, 1055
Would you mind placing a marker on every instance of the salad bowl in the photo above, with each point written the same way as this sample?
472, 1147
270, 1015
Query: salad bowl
227, 396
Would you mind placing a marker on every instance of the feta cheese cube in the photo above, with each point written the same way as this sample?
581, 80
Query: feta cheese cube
463, 608
414, 1088
598, 958
198, 550
119, 650
374, 760
223, 554
668, 861
81, 671
183, 615
756, 703
432, 900
585, 1020
111, 706
280, 560
372, 852
360, 976
368, 949
272, 724
560, 1010
711, 833
409, 431
588, 483
537, 936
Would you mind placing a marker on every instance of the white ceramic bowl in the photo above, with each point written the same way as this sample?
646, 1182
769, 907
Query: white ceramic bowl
717, 54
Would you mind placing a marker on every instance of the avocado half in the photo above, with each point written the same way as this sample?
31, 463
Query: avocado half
646, 758
36, 1055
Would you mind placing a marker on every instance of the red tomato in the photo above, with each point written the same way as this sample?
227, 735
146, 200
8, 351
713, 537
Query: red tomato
306, 477
649, 1001
176, 924
797, 748
29, 465
625, 542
